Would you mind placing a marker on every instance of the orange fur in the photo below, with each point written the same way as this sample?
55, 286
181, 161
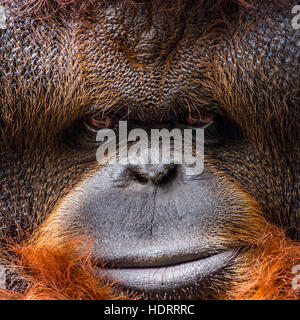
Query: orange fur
267, 274
58, 274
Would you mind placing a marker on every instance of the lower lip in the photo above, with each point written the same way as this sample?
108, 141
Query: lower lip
169, 278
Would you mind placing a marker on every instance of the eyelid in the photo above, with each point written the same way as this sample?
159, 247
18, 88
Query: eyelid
205, 126
89, 127
180, 125
102, 123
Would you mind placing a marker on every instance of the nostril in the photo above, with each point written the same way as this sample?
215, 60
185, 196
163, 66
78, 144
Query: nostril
135, 175
167, 176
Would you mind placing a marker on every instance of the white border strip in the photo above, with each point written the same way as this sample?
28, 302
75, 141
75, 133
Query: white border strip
3, 24
2, 277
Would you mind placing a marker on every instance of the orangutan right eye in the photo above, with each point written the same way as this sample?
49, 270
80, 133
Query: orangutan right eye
97, 123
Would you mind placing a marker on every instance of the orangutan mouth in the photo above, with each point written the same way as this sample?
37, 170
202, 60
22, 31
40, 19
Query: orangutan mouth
167, 278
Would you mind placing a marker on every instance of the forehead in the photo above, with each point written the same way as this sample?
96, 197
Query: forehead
134, 59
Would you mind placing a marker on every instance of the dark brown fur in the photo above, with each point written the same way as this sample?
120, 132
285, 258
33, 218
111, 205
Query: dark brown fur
34, 117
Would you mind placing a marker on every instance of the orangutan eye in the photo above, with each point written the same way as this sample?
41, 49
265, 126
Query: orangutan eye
203, 122
97, 123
